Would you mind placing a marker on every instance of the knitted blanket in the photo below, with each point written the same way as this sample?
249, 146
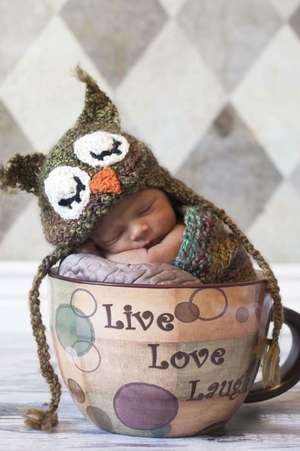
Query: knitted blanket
94, 268
210, 252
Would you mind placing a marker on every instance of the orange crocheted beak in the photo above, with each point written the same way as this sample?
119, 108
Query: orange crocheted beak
105, 181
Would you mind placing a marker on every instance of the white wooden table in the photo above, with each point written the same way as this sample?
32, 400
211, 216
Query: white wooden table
268, 425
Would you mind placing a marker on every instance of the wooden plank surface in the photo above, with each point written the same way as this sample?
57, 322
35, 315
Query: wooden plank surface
269, 425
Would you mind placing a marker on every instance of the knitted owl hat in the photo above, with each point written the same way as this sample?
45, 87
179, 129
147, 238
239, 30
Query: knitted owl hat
93, 165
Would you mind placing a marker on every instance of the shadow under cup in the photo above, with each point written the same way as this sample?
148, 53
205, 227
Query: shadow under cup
160, 361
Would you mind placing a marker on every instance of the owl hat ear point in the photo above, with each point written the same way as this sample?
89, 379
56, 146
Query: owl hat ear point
97, 104
21, 172
83, 76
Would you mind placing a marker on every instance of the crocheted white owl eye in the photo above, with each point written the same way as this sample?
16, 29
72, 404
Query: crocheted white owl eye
101, 148
68, 191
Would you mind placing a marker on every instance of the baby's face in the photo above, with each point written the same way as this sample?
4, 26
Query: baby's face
141, 219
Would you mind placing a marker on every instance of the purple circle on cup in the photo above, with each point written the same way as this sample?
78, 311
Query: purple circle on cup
242, 314
145, 406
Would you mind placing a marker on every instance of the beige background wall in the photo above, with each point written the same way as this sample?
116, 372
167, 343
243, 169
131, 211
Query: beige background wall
213, 87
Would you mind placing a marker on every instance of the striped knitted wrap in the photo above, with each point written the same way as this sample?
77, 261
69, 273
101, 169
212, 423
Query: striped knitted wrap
209, 252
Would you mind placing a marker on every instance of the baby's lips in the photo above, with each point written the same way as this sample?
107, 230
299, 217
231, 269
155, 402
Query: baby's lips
105, 181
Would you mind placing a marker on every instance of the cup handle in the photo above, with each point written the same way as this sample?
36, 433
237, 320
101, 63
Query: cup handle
290, 370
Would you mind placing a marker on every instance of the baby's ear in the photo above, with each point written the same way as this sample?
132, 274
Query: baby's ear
21, 172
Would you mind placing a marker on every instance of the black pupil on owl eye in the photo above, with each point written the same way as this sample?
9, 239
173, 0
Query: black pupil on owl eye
76, 198
105, 153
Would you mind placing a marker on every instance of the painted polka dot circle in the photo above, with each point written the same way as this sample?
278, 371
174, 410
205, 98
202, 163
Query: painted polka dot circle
76, 391
73, 329
242, 314
145, 406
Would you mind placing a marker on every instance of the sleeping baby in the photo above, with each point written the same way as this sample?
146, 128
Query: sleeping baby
148, 227
142, 228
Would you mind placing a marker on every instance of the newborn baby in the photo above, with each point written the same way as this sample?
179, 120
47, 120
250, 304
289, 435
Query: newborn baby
141, 228
144, 227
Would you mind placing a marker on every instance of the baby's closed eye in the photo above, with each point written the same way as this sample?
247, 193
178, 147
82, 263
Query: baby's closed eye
114, 237
145, 209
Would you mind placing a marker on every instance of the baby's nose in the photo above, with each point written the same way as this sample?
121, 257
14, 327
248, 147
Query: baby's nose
139, 231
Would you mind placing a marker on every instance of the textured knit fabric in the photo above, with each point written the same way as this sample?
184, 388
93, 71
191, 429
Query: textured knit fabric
209, 252
94, 268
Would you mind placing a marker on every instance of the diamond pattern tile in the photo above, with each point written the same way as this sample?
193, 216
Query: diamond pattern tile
175, 100
295, 179
114, 33
285, 8
26, 229
295, 21
33, 96
11, 140
11, 207
269, 99
19, 28
232, 169
229, 34
172, 6
56, 5
276, 232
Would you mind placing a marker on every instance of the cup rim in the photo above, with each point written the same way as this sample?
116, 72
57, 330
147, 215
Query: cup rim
53, 274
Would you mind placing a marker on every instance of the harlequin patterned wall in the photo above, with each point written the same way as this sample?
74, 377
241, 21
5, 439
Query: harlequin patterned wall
212, 87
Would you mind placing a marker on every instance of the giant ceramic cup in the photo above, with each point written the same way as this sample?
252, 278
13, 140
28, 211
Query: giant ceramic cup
163, 361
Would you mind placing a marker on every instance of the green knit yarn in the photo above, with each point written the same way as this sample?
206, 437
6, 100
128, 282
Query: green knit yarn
208, 252
194, 254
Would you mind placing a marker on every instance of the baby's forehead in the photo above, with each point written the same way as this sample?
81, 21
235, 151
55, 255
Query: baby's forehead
141, 195
144, 193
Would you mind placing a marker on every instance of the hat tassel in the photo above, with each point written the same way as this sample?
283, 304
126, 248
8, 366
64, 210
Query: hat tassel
41, 419
270, 366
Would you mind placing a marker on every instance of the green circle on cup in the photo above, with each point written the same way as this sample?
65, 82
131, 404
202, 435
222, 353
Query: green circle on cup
73, 329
